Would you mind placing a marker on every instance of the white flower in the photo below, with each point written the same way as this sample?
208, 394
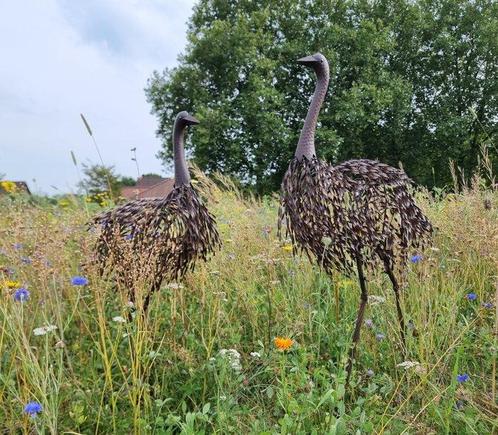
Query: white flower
408, 364
255, 354
223, 296
231, 353
130, 304
174, 286
119, 319
233, 358
44, 329
416, 366
373, 300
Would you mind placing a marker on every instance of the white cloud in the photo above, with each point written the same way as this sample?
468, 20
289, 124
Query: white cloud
62, 58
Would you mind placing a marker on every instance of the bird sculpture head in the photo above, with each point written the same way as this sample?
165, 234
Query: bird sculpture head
316, 61
184, 119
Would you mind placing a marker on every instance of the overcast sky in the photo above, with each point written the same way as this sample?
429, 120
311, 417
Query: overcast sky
60, 58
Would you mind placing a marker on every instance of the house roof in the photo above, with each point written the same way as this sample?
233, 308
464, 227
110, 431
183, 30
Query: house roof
145, 190
149, 180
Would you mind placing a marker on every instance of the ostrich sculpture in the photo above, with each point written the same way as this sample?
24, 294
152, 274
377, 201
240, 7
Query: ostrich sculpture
356, 215
149, 240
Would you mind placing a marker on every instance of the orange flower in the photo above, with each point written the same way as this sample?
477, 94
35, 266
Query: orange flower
283, 343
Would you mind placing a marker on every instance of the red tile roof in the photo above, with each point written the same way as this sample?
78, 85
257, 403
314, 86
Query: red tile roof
149, 180
161, 188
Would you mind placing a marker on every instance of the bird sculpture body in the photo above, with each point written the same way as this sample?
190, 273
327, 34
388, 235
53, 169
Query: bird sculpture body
357, 215
149, 240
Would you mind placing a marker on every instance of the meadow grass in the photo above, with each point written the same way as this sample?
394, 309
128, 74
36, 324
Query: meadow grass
99, 372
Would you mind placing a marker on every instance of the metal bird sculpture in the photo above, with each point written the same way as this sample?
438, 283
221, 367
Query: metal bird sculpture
149, 240
356, 215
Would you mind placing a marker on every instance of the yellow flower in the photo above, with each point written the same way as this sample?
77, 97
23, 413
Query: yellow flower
64, 203
8, 186
283, 343
287, 247
11, 284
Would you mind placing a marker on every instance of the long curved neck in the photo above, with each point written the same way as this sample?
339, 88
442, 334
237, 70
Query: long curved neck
306, 144
181, 172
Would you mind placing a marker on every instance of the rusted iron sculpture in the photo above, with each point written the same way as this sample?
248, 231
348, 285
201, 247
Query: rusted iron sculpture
153, 239
356, 215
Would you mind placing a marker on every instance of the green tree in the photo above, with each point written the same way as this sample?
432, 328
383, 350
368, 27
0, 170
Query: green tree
99, 179
151, 174
411, 81
127, 181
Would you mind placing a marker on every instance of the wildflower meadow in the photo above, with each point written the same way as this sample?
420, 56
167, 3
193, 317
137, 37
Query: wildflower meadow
256, 339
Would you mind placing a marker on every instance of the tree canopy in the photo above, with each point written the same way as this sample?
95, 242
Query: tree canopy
99, 179
412, 81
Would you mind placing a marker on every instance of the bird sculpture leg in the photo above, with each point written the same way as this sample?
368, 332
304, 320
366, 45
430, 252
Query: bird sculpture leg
145, 305
394, 281
154, 288
146, 302
359, 319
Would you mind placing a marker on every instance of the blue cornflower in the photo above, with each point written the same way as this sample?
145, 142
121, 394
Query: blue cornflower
79, 280
21, 295
26, 260
416, 258
380, 336
464, 377
487, 305
33, 408
471, 296
18, 246
128, 237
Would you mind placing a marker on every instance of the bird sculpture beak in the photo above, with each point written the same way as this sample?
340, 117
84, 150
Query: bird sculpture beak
191, 120
308, 60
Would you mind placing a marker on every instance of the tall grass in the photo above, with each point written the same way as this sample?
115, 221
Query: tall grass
100, 373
